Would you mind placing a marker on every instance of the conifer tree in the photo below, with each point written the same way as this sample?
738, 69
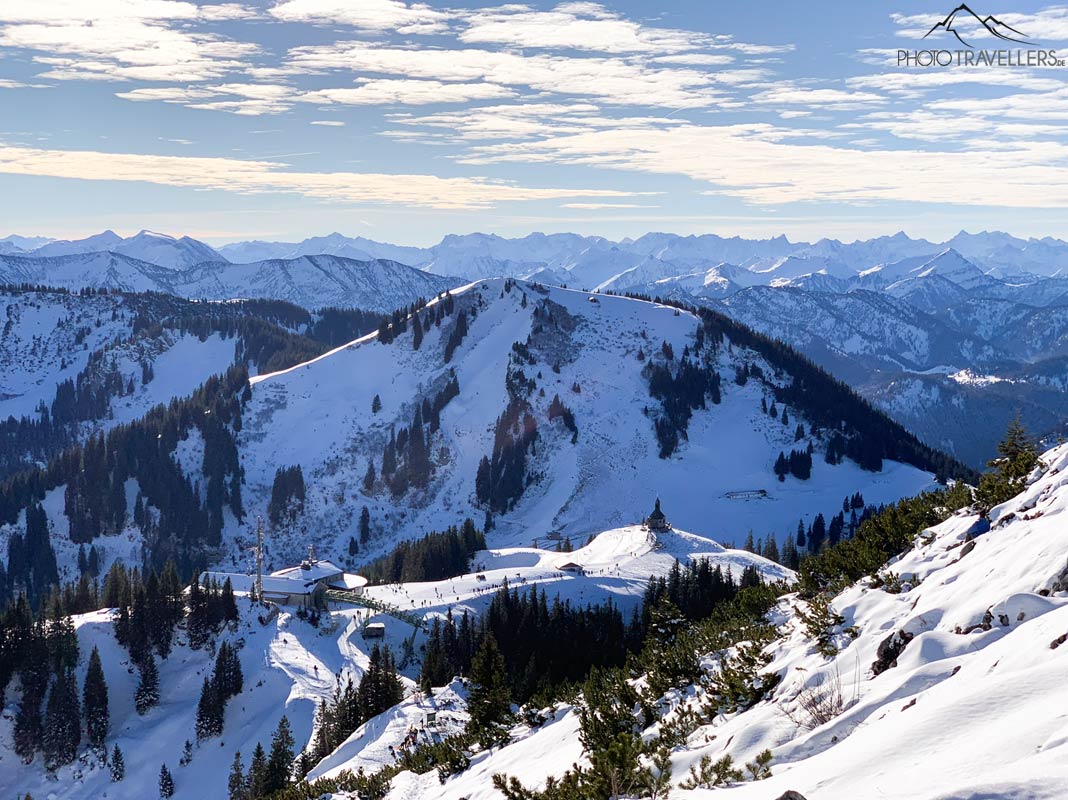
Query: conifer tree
166, 782
280, 761
147, 695
117, 765
257, 773
236, 785
376, 404
95, 701
62, 724
29, 731
210, 711
369, 477
365, 525
489, 701
1017, 457
187, 754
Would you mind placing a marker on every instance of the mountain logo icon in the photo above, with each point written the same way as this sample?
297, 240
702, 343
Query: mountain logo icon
964, 17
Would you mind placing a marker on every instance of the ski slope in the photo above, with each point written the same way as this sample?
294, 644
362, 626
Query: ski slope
975, 706
319, 415
616, 566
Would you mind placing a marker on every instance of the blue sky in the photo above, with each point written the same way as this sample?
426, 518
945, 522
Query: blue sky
282, 119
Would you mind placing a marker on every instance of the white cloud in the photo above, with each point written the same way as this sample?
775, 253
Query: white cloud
328, 123
122, 39
574, 26
519, 121
10, 84
259, 177
371, 15
594, 206
831, 99
914, 83
245, 99
761, 165
615, 81
407, 92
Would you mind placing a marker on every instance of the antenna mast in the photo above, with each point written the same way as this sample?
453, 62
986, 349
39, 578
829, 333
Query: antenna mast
259, 559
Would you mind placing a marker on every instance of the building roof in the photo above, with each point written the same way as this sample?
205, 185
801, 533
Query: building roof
657, 513
310, 571
348, 581
293, 580
568, 565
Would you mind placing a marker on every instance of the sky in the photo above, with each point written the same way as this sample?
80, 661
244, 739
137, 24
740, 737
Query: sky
402, 122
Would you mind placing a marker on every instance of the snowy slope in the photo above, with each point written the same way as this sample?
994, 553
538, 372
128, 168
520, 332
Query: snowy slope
289, 666
49, 338
973, 708
157, 248
314, 282
319, 415
616, 566
309, 281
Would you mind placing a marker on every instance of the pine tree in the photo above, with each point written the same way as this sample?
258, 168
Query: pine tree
1017, 457
369, 477
95, 701
489, 701
117, 765
210, 711
62, 725
376, 404
237, 786
147, 695
29, 731
365, 525
166, 782
257, 773
227, 602
281, 759
187, 754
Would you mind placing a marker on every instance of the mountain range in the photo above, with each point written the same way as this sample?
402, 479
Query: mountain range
951, 338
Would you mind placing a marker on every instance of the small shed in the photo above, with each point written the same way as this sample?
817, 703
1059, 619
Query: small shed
374, 630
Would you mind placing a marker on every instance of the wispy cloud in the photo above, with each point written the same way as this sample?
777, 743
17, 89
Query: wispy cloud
123, 40
371, 15
765, 165
263, 176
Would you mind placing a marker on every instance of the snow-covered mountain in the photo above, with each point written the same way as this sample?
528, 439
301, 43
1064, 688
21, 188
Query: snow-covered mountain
943, 684
334, 244
936, 677
156, 248
289, 666
595, 354
308, 281
930, 319
313, 282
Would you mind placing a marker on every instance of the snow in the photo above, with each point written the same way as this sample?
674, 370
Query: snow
965, 713
318, 415
616, 567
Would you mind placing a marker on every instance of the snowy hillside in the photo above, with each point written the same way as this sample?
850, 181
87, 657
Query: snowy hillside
51, 337
156, 248
313, 282
289, 666
309, 281
967, 703
595, 354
